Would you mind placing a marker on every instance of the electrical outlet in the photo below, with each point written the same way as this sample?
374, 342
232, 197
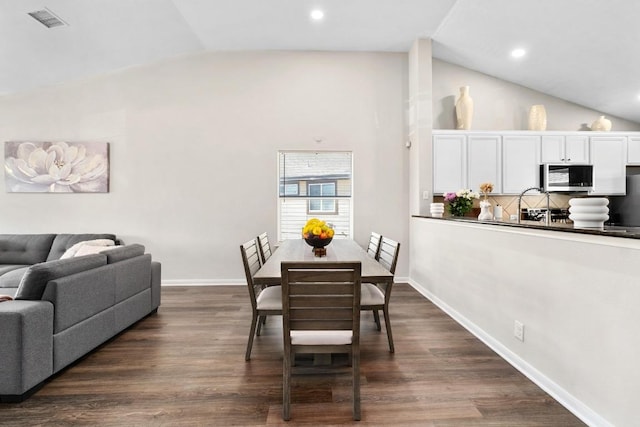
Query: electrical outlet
518, 330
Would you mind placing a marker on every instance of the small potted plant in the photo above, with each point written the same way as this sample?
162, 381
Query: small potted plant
460, 203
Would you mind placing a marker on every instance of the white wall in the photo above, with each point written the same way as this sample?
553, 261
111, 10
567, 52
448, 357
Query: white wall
500, 105
576, 295
194, 143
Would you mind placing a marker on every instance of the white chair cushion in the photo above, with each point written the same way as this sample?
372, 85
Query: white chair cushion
370, 294
270, 298
321, 337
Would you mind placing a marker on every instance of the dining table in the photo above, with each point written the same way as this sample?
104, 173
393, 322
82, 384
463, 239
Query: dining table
337, 250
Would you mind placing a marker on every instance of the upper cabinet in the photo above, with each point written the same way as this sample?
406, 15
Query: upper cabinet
609, 159
564, 149
511, 159
484, 162
520, 163
449, 162
466, 161
633, 150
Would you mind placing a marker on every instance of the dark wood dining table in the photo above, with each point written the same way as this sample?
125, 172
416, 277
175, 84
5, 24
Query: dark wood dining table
337, 250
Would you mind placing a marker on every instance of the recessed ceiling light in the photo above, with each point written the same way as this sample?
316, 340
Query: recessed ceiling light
317, 14
518, 53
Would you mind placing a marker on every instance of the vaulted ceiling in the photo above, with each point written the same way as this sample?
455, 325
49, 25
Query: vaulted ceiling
584, 51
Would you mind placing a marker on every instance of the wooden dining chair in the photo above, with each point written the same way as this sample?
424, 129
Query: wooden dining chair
374, 244
264, 247
264, 302
321, 314
376, 296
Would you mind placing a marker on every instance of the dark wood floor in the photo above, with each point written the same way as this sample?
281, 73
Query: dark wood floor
185, 367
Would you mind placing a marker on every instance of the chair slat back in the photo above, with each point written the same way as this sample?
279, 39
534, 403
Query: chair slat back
388, 255
321, 296
374, 245
264, 247
251, 262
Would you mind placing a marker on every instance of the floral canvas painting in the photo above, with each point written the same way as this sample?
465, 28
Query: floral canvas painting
56, 167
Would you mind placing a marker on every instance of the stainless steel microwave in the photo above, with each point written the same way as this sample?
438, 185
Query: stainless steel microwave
566, 177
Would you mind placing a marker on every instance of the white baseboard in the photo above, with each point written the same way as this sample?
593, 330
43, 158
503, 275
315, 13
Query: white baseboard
208, 282
575, 406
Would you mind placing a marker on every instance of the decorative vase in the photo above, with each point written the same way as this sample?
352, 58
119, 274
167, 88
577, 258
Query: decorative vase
485, 211
601, 124
589, 212
437, 210
464, 109
537, 118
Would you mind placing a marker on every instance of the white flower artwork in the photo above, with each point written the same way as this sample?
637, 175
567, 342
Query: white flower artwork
56, 167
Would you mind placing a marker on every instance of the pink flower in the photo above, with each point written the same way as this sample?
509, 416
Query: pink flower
450, 197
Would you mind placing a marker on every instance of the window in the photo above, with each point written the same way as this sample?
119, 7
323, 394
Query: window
314, 185
289, 189
322, 205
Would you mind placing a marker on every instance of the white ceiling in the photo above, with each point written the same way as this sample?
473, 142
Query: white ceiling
584, 51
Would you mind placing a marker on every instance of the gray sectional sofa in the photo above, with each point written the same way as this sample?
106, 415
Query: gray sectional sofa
64, 308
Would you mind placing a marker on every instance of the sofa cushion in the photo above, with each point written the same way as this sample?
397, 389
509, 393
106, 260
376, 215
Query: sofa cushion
100, 243
25, 249
12, 275
91, 249
63, 242
36, 277
124, 252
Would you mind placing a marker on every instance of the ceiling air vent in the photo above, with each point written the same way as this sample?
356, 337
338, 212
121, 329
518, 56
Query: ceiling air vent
47, 18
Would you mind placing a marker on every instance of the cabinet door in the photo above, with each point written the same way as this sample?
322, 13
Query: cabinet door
609, 166
484, 161
520, 163
449, 163
576, 149
552, 147
565, 149
633, 150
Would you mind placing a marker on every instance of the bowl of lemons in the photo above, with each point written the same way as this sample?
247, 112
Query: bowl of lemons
317, 233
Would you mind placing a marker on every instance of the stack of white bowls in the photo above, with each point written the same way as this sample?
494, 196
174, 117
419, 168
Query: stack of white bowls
437, 210
589, 212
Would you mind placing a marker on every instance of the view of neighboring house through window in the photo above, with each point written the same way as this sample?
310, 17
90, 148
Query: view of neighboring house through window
314, 184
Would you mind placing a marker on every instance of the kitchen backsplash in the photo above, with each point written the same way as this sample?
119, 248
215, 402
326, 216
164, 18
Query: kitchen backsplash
510, 203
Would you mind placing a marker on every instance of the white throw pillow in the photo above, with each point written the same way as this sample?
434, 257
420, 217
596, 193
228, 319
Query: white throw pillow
91, 249
71, 252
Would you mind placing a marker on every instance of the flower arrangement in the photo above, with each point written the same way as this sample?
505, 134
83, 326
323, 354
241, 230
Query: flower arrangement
486, 188
461, 202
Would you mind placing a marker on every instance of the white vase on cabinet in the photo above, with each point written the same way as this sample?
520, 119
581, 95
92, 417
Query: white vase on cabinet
464, 109
537, 117
601, 124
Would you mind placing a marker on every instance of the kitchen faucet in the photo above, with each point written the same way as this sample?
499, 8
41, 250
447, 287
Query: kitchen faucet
547, 216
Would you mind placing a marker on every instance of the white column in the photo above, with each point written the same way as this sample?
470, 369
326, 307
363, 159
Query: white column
420, 125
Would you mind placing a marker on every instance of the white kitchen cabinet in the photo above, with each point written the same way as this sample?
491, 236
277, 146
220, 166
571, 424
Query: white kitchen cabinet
449, 163
484, 162
564, 149
520, 163
511, 159
608, 156
633, 150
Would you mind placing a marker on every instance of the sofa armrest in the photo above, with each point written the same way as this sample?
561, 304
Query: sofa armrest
26, 345
156, 271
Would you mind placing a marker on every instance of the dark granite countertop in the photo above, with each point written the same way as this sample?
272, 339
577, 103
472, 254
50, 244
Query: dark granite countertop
608, 230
